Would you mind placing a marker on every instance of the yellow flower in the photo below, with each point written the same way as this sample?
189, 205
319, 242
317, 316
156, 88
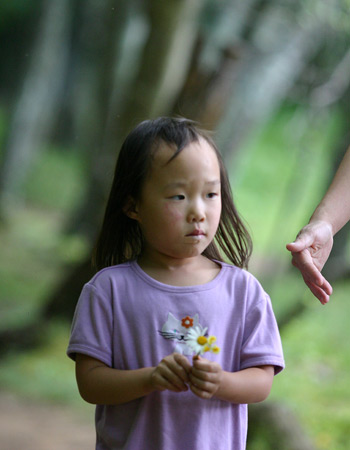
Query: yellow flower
211, 339
202, 340
199, 343
215, 349
196, 340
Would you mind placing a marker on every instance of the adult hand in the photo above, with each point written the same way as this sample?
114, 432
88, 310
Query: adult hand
205, 377
310, 252
171, 373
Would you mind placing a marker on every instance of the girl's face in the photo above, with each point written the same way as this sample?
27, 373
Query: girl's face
180, 204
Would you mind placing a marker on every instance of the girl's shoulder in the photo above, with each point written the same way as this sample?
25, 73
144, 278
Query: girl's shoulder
240, 276
238, 272
110, 273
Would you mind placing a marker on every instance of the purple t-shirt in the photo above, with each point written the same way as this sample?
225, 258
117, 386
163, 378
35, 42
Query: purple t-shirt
128, 320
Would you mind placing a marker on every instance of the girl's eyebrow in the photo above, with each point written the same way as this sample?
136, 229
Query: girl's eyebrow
214, 182
176, 184
179, 184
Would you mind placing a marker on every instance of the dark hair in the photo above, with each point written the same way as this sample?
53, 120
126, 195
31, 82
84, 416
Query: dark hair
120, 239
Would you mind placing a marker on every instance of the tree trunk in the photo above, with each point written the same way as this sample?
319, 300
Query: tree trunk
38, 102
165, 60
261, 84
102, 31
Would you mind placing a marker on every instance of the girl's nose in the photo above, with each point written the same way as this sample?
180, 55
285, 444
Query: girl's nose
196, 214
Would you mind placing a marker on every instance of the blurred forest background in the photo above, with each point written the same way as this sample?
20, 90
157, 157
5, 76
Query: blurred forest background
271, 79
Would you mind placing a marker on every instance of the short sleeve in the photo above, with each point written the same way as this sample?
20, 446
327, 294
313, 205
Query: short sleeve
92, 326
262, 342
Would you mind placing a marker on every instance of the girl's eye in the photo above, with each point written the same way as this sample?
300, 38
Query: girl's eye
178, 197
212, 195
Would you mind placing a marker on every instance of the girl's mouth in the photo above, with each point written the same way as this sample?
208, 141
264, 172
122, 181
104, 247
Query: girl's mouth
196, 233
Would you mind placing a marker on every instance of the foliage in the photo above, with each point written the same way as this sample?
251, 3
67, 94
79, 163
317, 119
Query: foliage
33, 246
62, 172
281, 173
332, 12
33, 256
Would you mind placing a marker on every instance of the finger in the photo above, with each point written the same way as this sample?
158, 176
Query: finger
206, 381
173, 373
323, 285
173, 382
313, 278
183, 367
303, 241
203, 389
206, 376
327, 287
318, 292
304, 262
201, 384
168, 386
200, 393
198, 374
311, 274
205, 365
161, 383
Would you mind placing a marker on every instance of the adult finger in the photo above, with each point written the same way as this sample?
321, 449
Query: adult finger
305, 263
320, 293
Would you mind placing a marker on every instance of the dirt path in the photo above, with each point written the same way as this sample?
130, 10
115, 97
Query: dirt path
27, 425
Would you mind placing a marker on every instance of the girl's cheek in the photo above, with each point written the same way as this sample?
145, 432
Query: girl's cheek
172, 213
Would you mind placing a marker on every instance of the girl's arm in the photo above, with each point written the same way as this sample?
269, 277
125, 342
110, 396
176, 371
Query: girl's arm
250, 385
100, 384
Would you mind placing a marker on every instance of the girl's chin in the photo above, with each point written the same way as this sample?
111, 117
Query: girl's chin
187, 251
191, 253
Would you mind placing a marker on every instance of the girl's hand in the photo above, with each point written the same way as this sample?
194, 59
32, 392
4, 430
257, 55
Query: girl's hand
205, 377
172, 373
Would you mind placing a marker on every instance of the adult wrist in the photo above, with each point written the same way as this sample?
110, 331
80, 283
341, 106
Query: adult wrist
321, 218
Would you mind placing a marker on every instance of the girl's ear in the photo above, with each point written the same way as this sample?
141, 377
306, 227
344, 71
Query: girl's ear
130, 208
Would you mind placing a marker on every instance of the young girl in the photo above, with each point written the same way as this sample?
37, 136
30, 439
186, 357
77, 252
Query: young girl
163, 291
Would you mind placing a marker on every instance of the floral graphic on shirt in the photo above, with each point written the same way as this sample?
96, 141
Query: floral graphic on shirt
188, 335
187, 322
176, 330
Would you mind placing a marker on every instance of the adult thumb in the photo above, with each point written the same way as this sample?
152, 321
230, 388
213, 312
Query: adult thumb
303, 241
